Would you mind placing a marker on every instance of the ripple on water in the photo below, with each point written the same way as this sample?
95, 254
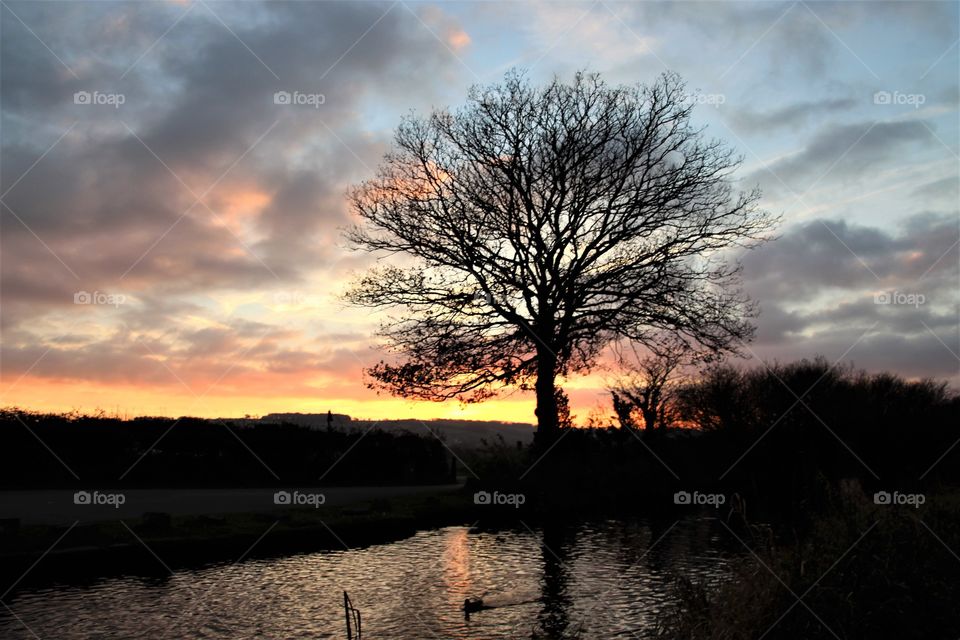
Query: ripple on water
602, 576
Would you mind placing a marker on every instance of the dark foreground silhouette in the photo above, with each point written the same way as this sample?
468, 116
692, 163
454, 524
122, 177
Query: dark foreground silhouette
92, 451
811, 462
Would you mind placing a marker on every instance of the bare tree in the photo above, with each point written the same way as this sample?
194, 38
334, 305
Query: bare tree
538, 224
650, 381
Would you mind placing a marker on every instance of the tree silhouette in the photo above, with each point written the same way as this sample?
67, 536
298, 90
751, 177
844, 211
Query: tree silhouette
538, 224
649, 384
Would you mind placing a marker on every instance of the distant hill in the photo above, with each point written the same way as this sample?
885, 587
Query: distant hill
463, 433
312, 420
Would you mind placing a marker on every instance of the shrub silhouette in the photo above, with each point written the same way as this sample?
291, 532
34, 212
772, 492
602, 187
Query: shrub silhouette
779, 436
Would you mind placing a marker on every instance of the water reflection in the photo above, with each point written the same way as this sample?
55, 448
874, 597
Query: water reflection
555, 543
547, 582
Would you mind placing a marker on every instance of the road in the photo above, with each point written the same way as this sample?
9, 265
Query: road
59, 506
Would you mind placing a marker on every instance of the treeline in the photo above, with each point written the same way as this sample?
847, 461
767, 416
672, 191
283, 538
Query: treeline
866, 567
810, 417
778, 435
70, 450
802, 455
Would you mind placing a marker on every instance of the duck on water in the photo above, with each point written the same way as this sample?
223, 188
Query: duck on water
473, 605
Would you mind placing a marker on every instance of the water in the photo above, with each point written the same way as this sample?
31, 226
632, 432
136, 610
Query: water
602, 579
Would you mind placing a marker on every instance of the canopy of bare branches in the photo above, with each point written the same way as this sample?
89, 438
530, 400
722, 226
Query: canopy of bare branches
539, 223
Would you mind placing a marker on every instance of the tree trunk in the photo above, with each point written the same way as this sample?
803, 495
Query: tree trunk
548, 424
650, 421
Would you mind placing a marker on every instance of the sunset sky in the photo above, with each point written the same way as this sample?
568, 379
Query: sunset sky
144, 158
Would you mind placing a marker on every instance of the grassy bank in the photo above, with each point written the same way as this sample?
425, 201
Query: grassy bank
864, 571
156, 543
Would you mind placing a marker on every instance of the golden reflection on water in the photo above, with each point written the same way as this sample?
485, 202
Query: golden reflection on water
455, 566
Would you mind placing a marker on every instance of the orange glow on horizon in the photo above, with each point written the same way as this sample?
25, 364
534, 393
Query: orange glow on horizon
130, 401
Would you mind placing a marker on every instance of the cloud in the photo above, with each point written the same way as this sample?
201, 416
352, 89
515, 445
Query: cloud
778, 41
945, 191
818, 286
825, 254
842, 152
236, 357
791, 116
117, 198
239, 284
199, 185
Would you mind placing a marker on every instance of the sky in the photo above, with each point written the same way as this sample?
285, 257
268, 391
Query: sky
172, 178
